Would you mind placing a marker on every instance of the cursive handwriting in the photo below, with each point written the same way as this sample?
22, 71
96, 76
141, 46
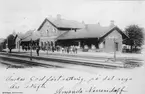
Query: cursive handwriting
77, 84
91, 90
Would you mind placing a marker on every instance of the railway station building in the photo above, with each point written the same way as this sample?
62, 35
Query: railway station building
61, 32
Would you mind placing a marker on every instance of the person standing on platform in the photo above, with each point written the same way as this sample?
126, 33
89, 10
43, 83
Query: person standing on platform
37, 50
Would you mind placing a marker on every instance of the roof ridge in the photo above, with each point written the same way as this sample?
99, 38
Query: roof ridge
61, 19
65, 23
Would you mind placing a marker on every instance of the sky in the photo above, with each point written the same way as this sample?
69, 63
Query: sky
24, 15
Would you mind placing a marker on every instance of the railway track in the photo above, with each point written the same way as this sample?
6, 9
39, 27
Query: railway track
49, 61
21, 62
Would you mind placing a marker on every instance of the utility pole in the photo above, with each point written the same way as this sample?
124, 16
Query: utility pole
114, 50
7, 44
19, 44
31, 50
47, 47
114, 40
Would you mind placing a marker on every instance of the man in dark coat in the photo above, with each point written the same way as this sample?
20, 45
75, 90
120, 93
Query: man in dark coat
37, 50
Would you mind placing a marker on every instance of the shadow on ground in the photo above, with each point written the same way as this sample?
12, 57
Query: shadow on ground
132, 64
15, 52
16, 65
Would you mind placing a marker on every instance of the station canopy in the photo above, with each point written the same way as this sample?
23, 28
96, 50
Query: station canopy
31, 35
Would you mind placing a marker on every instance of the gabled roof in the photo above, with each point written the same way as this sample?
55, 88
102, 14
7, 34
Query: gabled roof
90, 31
120, 31
34, 35
62, 23
20, 35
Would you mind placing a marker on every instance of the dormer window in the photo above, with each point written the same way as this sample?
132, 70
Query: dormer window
53, 30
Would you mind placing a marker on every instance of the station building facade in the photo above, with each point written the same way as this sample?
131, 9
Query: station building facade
58, 31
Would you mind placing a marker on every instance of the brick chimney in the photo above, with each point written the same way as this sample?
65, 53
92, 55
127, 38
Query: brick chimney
58, 17
83, 22
112, 23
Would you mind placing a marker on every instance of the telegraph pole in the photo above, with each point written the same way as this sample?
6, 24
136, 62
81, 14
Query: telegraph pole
31, 50
47, 47
114, 50
114, 40
7, 44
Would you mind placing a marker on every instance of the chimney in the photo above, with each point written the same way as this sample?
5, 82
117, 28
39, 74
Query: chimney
112, 23
50, 16
58, 17
83, 22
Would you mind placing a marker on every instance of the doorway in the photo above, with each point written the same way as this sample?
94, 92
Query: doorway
116, 46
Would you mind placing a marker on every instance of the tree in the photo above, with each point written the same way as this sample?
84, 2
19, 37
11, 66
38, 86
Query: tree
3, 45
136, 36
11, 42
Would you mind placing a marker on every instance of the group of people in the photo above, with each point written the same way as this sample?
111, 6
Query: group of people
25, 48
69, 49
36, 47
65, 49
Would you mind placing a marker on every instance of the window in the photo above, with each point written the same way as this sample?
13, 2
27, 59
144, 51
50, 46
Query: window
47, 32
116, 46
104, 42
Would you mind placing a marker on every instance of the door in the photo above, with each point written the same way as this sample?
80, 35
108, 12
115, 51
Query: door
116, 46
